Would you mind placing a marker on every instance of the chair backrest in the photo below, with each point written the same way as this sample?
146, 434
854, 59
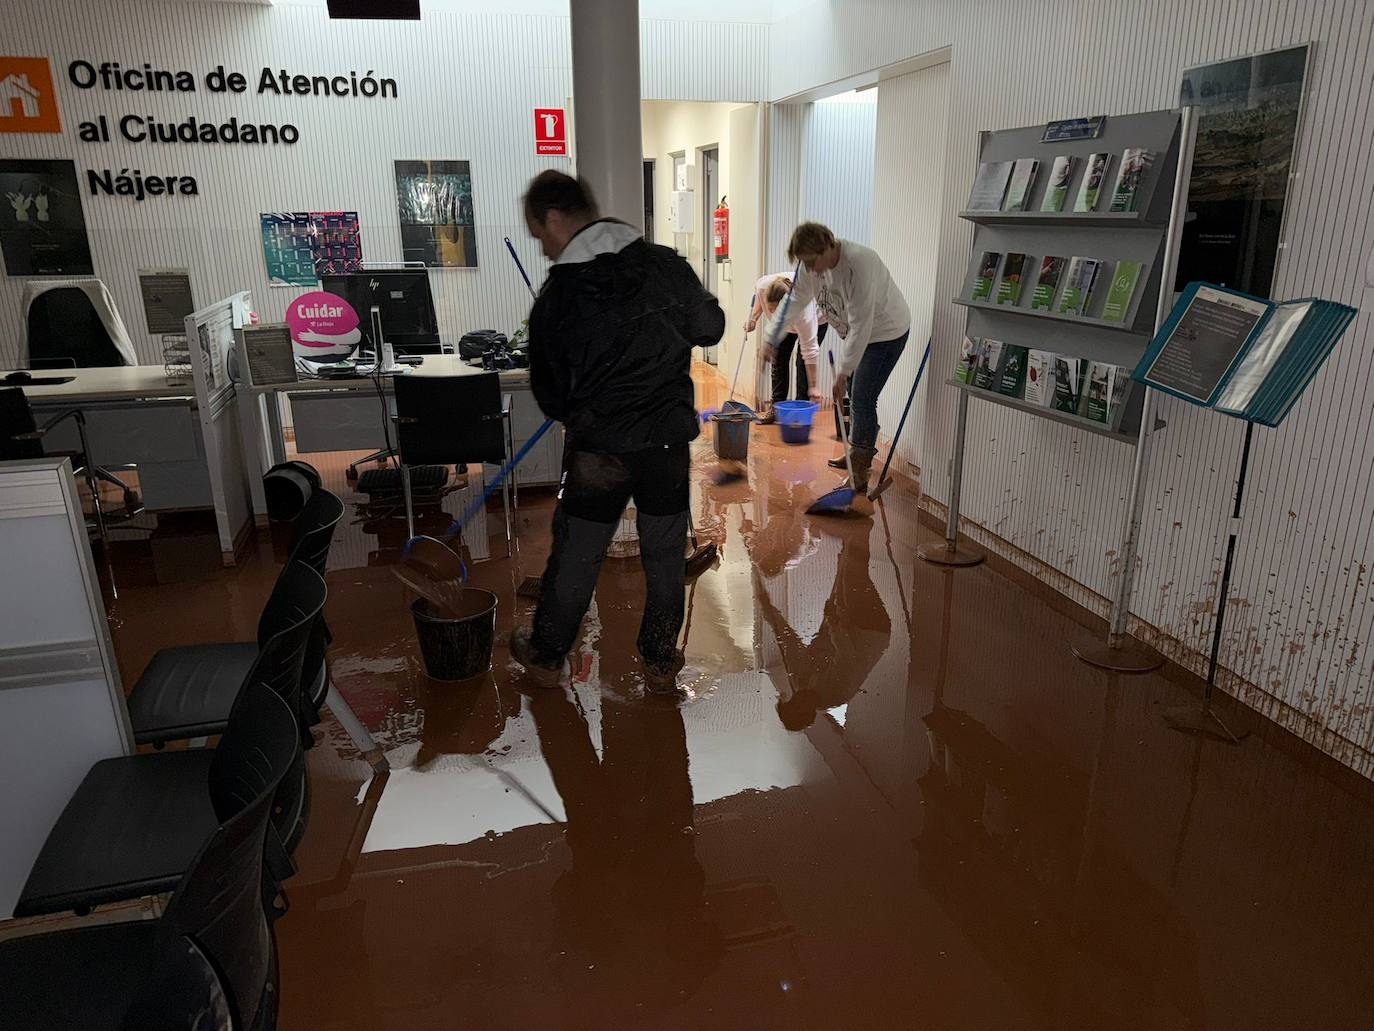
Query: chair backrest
313, 531
66, 329
297, 600
449, 419
219, 903
185, 993
16, 417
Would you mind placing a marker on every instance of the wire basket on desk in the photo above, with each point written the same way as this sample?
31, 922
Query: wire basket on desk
176, 357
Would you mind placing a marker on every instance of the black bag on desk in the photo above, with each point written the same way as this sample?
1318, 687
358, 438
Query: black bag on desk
481, 342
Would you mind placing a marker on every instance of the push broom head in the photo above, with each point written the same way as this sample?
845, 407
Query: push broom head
839, 500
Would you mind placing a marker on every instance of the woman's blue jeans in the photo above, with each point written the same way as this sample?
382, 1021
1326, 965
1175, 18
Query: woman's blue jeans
879, 359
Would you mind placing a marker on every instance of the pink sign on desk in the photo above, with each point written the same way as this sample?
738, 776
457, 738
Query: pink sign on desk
324, 326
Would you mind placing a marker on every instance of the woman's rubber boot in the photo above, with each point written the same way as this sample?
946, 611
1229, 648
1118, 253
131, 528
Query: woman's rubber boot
862, 460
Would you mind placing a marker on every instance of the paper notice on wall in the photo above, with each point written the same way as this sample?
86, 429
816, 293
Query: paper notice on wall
166, 299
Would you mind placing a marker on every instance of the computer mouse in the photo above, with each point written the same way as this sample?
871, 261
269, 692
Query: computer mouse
19, 377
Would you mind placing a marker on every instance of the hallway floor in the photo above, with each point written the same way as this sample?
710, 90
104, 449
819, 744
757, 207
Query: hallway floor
889, 798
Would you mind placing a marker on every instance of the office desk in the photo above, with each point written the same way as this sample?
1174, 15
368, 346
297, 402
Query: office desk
346, 415
133, 417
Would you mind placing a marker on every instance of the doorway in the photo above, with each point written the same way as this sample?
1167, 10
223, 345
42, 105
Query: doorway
710, 195
649, 201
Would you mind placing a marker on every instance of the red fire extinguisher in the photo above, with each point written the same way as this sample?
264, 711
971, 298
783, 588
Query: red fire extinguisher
720, 231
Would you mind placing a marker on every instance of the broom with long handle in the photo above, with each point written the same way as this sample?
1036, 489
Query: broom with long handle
883, 481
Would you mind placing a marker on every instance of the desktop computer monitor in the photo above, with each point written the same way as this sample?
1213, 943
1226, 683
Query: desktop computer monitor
409, 322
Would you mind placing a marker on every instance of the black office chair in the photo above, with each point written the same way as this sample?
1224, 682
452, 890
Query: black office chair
65, 332
134, 821
65, 328
188, 691
449, 420
381, 454
210, 961
133, 824
312, 535
21, 437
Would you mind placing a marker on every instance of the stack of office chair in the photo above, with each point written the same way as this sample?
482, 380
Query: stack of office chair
210, 962
74, 323
21, 437
134, 823
312, 536
188, 691
452, 420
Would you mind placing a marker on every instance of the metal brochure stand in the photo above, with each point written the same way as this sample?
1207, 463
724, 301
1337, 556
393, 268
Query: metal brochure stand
1151, 236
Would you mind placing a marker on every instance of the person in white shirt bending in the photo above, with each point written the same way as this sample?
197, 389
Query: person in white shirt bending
852, 286
801, 334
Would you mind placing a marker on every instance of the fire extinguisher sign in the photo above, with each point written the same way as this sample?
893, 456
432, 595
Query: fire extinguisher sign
550, 131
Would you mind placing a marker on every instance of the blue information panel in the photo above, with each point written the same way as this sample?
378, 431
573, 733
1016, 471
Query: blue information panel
1074, 129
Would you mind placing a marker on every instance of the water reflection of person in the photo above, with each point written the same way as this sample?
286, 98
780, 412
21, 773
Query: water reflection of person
629, 913
854, 633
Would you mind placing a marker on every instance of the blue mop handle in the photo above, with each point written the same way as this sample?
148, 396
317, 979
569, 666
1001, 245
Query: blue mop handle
516, 258
906, 411
920, 371
456, 527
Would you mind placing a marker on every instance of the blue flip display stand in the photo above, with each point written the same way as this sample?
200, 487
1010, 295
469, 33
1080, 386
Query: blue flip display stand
1241, 355
1246, 357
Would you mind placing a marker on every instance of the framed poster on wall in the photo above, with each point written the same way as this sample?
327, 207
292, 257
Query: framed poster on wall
42, 227
434, 203
1249, 111
301, 246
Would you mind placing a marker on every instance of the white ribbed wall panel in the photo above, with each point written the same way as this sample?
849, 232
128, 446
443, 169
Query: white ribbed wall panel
908, 175
830, 178
837, 167
786, 128
467, 84
703, 60
1300, 622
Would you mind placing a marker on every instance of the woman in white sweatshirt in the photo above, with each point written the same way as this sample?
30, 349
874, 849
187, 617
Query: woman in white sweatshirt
801, 334
852, 286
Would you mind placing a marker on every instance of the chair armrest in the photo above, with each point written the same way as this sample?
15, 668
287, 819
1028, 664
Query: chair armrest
69, 413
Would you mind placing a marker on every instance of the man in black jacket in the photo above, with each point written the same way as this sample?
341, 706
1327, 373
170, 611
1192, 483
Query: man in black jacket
611, 338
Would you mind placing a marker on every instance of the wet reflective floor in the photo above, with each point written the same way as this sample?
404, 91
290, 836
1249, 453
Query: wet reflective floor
888, 798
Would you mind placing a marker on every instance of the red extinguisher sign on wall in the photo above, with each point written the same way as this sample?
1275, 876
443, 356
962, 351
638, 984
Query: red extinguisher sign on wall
720, 231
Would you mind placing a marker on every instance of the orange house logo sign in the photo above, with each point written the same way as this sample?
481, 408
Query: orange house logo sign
28, 102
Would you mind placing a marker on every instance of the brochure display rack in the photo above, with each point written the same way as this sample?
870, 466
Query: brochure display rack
1076, 237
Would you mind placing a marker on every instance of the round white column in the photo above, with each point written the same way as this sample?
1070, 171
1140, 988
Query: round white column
606, 111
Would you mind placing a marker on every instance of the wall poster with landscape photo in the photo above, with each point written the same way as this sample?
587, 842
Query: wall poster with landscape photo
434, 203
1249, 110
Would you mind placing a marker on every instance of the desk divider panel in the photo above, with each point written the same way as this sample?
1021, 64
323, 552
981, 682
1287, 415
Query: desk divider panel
210, 332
